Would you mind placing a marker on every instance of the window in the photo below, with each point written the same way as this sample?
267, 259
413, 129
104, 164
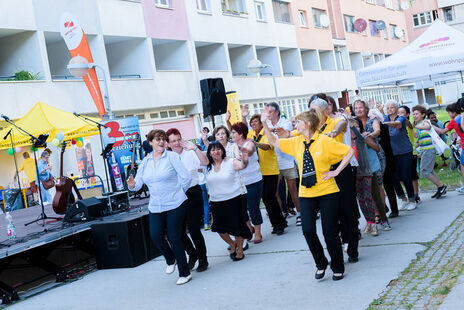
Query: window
302, 16
392, 31
458, 11
259, 11
425, 18
281, 12
396, 5
370, 1
349, 23
203, 5
317, 14
234, 6
381, 2
163, 3
448, 14
373, 28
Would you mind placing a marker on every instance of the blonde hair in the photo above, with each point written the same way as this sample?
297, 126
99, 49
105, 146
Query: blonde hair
312, 117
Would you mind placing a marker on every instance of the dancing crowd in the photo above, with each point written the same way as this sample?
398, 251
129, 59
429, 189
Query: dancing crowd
332, 163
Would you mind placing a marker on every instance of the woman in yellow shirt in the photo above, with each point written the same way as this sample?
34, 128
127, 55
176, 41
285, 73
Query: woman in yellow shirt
315, 154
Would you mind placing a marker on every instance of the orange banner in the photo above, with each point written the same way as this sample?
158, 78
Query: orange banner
76, 41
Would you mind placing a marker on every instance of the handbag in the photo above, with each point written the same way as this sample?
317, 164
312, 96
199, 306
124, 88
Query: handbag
47, 184
438, 143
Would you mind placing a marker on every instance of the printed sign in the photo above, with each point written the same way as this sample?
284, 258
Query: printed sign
233, 106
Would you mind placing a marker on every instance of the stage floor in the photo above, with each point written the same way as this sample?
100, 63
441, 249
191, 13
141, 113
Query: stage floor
34, 235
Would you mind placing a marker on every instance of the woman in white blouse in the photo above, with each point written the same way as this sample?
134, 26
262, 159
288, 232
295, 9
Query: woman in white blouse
167, 180
225, 196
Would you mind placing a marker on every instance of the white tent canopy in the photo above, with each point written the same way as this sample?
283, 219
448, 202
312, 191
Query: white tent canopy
438, 52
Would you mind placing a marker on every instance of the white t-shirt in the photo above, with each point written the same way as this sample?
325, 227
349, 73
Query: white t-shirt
233, 151
251, 174
285, 161
222, 185
192, 163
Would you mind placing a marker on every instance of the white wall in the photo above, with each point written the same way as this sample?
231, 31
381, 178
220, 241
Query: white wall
327, 59
291, 62
310, 60
121, 18
11, 10
21, 52
211, 57
356, 61
171, 55
269, 56
130, 56
240, 56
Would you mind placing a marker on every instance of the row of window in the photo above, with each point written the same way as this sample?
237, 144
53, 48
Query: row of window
157, 115
374, 31
424, 18
390, 4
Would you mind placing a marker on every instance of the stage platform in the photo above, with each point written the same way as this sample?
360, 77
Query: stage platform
44, 252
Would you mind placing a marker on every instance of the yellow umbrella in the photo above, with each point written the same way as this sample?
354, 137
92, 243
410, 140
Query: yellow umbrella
42, 119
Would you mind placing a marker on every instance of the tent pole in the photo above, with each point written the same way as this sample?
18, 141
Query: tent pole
398, 90
384, 95
423, 92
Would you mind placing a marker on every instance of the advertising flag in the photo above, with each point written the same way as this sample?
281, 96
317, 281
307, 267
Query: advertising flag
233, 106
75, 40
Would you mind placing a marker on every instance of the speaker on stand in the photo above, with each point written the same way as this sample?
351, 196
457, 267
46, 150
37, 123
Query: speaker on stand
214, 97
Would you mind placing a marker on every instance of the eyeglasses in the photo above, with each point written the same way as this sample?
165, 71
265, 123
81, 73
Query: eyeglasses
313, 98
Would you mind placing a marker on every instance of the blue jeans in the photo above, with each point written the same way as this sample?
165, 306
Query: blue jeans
204, 191
254, 193
171, 221
46, 196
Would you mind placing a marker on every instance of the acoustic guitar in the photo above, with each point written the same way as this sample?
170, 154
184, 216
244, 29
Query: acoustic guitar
64, 196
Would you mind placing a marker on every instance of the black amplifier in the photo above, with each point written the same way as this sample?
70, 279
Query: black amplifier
117, 201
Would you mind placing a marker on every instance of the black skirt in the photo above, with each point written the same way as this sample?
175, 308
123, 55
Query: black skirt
230, 216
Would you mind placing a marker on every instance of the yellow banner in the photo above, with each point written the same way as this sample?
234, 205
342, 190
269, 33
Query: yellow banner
233, 106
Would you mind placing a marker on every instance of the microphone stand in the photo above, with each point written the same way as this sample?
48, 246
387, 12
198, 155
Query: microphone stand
99, 125
35, 143
10, 133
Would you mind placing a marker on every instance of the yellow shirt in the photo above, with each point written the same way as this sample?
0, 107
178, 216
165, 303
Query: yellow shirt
329, 127
412, 139
267, 159
28, 165
325, 152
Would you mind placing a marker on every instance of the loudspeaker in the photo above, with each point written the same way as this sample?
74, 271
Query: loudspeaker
213, 96
123, 244
85, 210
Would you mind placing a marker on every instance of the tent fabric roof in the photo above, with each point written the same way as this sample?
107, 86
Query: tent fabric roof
438, 51
42, 119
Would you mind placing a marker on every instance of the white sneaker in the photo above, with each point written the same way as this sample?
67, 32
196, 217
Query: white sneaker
403, 206
183, 280
171, 268
411, 206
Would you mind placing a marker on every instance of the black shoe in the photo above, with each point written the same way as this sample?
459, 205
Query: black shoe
339, 277
246, 247
319, 276
279, 232
232, 255
393, 214
191, 262
352, 259
441, 191
236, 259
202, 265
274, 231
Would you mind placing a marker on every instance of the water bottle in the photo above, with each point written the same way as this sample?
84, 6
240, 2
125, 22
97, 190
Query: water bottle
10, 228
116, 173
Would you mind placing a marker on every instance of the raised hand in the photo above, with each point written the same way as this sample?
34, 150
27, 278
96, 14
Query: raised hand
245, 111
187, 145
227, 116
281, 133
131, 181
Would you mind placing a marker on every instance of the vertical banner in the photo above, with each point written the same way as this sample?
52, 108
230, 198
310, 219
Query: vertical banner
233, 106
77, 44
123, 134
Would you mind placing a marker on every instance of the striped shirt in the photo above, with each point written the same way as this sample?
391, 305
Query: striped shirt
424, 139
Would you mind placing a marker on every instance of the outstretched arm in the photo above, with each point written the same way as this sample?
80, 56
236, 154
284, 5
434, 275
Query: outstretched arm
270, 137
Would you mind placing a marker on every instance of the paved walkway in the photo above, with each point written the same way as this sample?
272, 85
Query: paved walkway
279, 273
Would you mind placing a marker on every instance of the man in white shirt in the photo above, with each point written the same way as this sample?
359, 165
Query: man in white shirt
193, 159
287, 166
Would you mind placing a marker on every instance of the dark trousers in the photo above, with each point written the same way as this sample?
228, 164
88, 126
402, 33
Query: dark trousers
329, 207
282, 191
193, 216
348, 216
253, 198
403, 172
388, 185
172, 222
269, 198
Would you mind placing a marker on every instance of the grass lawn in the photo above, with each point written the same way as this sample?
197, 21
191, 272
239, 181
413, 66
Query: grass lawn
451, 178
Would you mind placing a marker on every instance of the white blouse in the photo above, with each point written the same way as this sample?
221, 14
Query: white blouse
223, 185
251, 174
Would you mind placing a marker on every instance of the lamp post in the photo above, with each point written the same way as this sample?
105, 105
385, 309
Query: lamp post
256, 66
78, 66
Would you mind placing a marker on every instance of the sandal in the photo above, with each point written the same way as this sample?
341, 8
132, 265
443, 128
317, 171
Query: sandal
377, 219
